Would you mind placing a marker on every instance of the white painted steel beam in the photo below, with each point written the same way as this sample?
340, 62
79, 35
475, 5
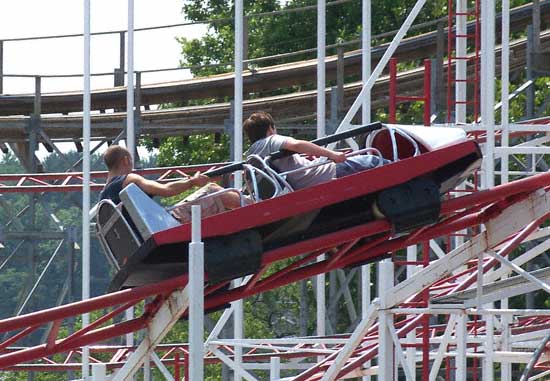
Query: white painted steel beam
519, 261
365, 301
488, 86
238, 154
130, 133
238, 91
488, 373
443, 347
385, 320
162, 368
461, 348
274, 368
86, 131
366, 33
159, 326
527, 275
196, 295
237, 367
130, 130
399, 351
351, 344
321, 53
500, 151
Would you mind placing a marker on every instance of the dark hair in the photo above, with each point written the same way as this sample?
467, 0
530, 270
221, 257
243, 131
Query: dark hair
257, 125
114, 156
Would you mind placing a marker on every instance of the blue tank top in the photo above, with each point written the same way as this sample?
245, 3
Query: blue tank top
112, 189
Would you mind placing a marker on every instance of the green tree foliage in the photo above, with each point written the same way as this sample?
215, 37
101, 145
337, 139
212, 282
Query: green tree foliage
284, 32
53, 212
198, 149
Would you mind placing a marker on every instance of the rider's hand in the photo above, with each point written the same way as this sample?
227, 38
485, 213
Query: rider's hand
199, 179
337, 157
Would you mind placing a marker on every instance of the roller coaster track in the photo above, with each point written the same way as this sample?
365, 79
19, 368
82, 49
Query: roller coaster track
510, 212
293, 107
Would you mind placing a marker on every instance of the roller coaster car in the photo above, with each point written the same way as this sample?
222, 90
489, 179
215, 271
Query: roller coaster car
147, 244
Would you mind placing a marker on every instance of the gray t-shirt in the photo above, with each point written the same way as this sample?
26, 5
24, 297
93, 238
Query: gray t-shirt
306, 178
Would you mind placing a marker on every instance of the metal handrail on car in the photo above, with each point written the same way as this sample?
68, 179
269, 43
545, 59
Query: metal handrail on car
266, 172
278, 180
392, 130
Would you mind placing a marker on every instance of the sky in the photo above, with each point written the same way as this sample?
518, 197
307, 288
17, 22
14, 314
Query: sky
29, 18
26, 18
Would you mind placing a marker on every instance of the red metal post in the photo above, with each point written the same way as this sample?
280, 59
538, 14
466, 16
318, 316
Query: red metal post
449, 59
177, 376
427, 92
477, 62
186, 366
393, 90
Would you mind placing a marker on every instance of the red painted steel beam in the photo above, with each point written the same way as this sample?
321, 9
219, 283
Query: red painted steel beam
38, 182
99, 302
98, 335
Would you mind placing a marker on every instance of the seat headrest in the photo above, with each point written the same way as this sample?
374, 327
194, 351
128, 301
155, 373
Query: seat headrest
148, 216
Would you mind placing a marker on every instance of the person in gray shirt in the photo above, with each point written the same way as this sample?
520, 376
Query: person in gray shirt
260, 129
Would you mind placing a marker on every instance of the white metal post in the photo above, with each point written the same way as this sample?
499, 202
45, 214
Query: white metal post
385, 351
321, 10
488, 86
86, 122
321, 298
275, 368
196, 297
147, 369
488, 362
99, 372
321, 130
238, 318
238, 152
238, 96
460, 62
460, 359
505, 366
412, 255
130, 141
129, 315
365, 301
366, 57
505, 82
130, 136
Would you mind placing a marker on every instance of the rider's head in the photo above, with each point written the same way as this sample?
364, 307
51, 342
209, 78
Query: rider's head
118, 158
258, 126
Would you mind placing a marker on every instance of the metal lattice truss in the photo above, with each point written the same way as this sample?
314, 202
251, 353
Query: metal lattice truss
72, 181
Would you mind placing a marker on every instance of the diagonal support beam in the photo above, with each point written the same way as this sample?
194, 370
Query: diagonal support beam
352, 343
399, 352
159, 326
237, 367
442, 348
527, 275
